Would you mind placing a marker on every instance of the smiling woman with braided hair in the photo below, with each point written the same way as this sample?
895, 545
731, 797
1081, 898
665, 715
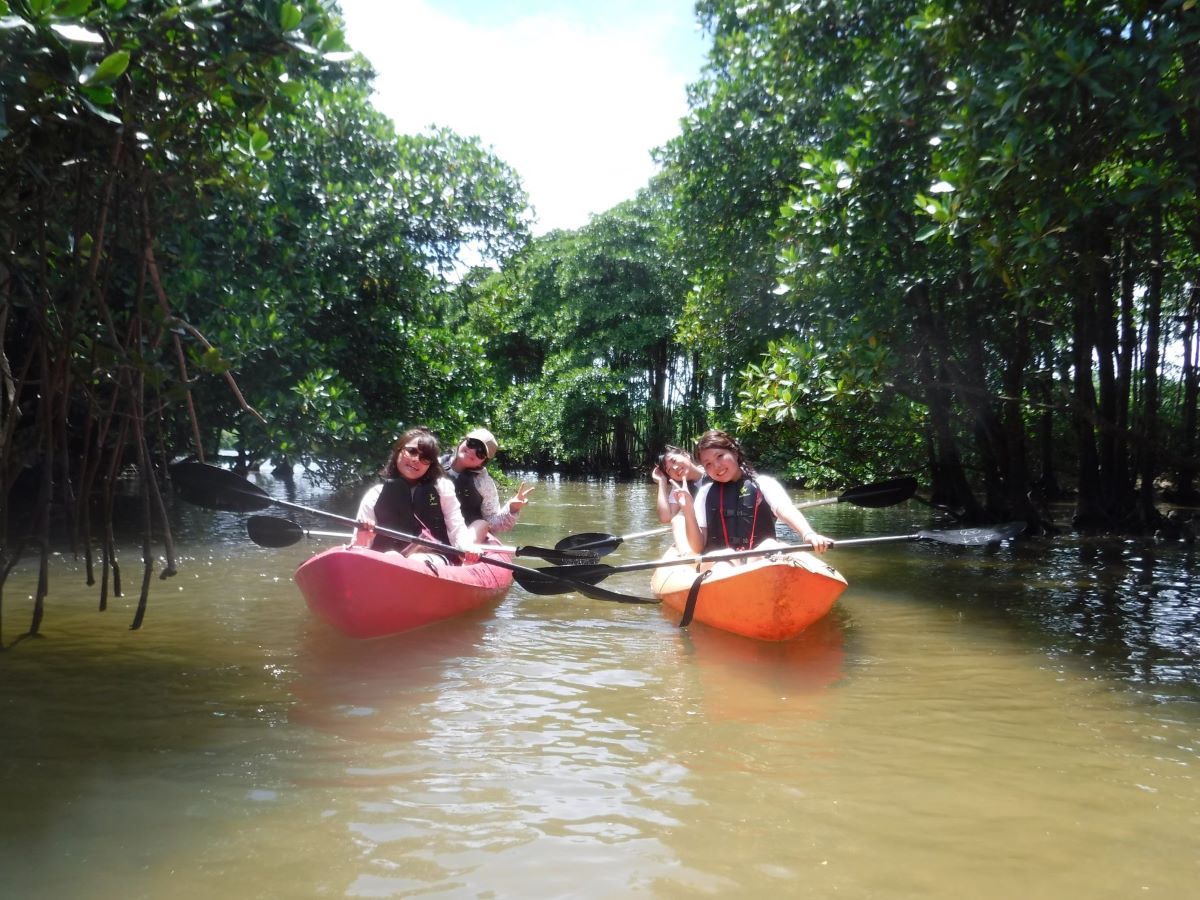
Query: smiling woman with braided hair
738, 508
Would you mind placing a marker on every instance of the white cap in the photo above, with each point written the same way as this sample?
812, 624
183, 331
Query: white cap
486, 438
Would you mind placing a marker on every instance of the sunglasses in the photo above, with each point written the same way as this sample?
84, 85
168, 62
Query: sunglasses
414, 453
477, 445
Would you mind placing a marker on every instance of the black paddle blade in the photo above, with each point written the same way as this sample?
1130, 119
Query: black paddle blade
269, 531
599, 543
881, 494
586, 574
560, 557
546, 585
215, 488
974, 537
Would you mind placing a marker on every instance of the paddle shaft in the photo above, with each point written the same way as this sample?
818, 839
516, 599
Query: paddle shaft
966, 537
758, 551
637, 534
343, 535
399, 535
649, 532
609, 542
809, 504
874, 496
270, 531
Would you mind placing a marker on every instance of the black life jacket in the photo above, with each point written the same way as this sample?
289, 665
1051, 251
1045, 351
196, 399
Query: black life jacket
408, 508
738, 516
466, 488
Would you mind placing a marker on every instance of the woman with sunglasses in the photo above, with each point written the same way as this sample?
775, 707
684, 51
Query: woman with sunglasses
738, 508
416, 498
476, 490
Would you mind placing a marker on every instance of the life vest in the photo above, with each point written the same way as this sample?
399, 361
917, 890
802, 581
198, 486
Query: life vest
408, 508
738, 516
466, 488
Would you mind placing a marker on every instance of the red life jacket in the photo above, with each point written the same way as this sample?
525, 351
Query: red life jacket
738, 516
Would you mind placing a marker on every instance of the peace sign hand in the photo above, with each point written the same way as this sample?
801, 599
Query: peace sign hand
521, 497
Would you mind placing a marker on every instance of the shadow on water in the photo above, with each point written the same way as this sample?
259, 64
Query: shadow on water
1133, 607
86, 709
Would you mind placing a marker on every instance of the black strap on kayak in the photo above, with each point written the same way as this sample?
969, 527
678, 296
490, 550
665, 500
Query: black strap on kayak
689, 608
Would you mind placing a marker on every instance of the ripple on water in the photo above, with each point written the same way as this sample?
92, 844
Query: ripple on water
964, 723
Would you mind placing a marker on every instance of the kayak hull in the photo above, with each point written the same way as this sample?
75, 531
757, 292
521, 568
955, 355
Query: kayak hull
770, 599
365, 594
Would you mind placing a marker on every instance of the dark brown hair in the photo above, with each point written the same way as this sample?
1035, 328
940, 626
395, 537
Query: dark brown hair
668, 450
427, 445
715, 439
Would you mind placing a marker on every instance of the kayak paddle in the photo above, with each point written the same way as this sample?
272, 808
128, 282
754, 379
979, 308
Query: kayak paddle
216, 488
870, 496
270, 531
962, 537
603, 544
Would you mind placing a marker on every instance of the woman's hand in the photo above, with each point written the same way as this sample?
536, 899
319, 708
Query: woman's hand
517, 503
819, 542
680, 497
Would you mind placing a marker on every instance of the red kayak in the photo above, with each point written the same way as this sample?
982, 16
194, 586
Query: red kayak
768, 598
364, 593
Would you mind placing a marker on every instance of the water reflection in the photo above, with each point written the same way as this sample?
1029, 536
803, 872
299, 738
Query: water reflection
353, 689
956, 702
1130, 606
744, 680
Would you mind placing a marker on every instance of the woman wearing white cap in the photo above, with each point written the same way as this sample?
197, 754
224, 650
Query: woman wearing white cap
477, 494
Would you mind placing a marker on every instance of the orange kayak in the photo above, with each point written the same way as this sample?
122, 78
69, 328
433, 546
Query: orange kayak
364, 593
768, 598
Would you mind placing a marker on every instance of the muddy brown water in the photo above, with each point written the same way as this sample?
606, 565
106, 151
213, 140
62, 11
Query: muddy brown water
1018, 721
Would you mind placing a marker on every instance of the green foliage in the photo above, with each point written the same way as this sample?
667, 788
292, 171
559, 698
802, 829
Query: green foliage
579, 327
333, 265
113, 115
827, 417
887, 207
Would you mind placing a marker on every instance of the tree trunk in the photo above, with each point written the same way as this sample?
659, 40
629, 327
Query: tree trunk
1146, 513
1113, 399
948, 481
1091, 508
1016, 465
1185, 490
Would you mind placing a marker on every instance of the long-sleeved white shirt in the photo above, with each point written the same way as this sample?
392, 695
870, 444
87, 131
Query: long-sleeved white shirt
460, 536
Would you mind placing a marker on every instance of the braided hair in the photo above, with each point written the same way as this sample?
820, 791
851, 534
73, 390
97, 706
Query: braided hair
715, 439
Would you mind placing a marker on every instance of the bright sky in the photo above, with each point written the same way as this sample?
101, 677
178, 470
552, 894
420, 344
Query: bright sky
573, 94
